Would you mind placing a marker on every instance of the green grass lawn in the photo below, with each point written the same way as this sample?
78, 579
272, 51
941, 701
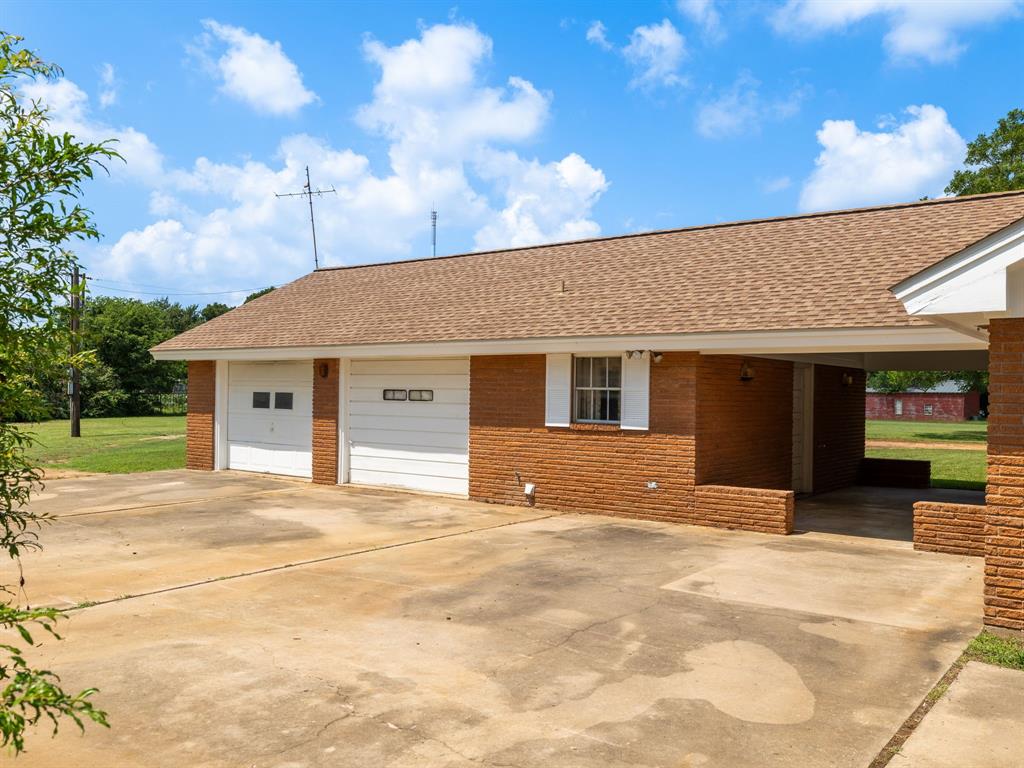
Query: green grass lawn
928, 432
950, 468
130, 444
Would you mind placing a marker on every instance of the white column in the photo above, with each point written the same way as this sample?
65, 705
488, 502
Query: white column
343, 427
220, 416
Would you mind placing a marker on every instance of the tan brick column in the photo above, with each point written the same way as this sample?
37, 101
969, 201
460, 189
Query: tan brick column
1004, 528
202, 397
326, 378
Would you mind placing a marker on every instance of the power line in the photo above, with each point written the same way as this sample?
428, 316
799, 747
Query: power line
174, 293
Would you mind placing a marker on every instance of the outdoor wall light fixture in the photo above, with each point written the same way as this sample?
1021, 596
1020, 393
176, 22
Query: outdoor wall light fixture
847, 379
746, 372
634, 353
657, 357
323, 369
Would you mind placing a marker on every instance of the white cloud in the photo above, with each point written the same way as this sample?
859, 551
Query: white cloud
543, 202
778, 184
917, 29
108, 85
705, 15
740, 109
656, 51
858, 167
252, 69
448, 135
69, 112
597, 34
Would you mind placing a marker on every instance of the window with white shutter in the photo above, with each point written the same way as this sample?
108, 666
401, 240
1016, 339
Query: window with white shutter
558, 391
636, 391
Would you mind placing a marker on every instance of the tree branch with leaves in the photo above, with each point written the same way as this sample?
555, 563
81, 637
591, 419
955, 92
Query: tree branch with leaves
41, 174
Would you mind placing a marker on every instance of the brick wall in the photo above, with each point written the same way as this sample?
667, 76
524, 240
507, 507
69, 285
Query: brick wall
744, 428
946, 406
1004, 525
202, 395
326, 377
750, 509
956, 529
895, 473
838, 426
586, 468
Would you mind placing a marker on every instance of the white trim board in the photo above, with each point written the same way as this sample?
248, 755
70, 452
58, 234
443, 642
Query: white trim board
842, 340
973, 281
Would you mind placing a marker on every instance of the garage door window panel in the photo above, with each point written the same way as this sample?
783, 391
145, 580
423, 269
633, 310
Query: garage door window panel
260, 399
283, 401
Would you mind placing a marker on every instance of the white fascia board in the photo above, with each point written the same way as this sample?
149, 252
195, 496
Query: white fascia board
973, 280
843, 340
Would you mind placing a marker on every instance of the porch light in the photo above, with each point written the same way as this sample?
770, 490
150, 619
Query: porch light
324, 369
746, 372
657, 356
847, 379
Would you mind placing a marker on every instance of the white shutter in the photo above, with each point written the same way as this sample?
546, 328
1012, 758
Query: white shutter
636, 389
558, 391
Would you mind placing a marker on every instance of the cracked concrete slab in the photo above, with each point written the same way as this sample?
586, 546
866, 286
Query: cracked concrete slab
544, 642
979, 721
170, 539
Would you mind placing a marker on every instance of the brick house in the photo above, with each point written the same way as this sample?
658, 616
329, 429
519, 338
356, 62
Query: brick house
703, 375
934, 405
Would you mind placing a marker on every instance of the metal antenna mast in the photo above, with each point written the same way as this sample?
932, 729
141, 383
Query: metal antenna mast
308, 192
433, 231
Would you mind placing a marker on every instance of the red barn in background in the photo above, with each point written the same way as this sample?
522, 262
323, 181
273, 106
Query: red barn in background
923, 406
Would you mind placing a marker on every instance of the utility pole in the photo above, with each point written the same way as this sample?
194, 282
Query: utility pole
74, 380
433, 231
308, 192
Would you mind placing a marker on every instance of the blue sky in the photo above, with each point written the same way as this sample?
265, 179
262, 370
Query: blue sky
522, 122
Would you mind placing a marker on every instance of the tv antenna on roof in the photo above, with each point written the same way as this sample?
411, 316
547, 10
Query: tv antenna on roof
308, 192
433, 231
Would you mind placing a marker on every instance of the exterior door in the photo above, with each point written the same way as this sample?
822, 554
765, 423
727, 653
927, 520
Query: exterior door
270, 417
803, 427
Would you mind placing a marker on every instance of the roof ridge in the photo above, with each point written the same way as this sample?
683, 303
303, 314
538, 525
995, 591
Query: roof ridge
692, 228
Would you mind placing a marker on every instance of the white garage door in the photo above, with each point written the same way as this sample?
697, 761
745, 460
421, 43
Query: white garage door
270, 417
419, 438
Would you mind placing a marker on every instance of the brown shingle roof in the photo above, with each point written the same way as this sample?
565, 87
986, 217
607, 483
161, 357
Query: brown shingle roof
827, 270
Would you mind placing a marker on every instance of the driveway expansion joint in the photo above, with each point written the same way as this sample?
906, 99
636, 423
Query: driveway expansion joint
311, 561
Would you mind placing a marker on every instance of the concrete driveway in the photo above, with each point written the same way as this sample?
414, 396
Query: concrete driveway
259, 622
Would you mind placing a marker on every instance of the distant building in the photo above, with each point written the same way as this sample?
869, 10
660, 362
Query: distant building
943, 403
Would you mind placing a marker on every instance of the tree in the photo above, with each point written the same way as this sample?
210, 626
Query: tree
122, 331
970, 381
995, 163
216, 309
257, 294
40, 184
901, 381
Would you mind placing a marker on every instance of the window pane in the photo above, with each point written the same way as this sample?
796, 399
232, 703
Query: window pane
582, 404
614, 371
582, 371
260, 399
614, 406
421, 395
600, 371
602, 404
283, 400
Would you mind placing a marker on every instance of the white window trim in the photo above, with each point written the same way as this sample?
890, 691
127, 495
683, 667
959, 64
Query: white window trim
573, 389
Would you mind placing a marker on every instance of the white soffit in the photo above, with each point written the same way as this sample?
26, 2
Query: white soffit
834, 340
978, 280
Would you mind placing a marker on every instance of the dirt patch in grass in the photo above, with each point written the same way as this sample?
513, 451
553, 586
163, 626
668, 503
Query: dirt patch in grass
923, 445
